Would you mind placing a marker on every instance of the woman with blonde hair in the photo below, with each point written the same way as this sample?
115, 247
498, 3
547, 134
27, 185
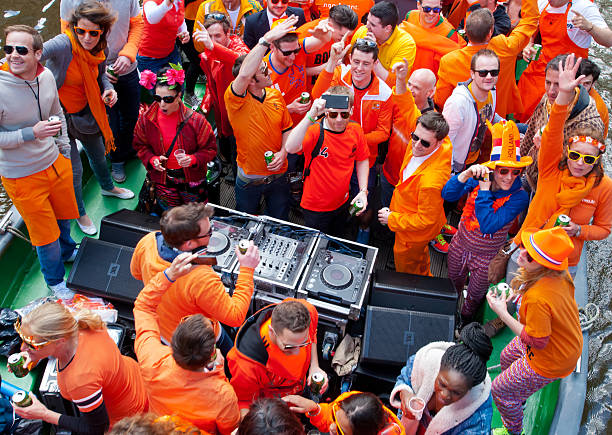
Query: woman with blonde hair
548, 338
91, 372
77, 60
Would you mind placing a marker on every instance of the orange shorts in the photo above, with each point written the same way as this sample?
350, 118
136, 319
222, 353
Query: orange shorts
44, 197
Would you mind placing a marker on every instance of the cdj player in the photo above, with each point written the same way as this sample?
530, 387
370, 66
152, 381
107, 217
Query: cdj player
227, 233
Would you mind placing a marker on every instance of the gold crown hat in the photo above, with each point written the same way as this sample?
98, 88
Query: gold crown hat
506, 146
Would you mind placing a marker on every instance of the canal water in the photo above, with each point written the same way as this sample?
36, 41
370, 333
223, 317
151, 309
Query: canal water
597, 417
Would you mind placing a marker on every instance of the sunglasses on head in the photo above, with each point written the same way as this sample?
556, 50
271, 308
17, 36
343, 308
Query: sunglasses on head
290, 52
21, 50
505, 171
586, 158
428, 9
29, 340
276, 1
334, 115
485, 72
215, 16
168, 99
93, 33
415, 139
364, 42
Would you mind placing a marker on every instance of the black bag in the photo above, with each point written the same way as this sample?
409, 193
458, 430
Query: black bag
83, 122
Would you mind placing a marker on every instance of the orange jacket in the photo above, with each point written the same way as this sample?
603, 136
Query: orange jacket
416, 207
201, 291
602, 108
596, 205
455, 66
405, 115
205, 398
431, 42
376, 107
325, 418
258, 367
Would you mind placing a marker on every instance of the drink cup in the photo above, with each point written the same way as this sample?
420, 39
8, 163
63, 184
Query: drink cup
416, 405
179, 153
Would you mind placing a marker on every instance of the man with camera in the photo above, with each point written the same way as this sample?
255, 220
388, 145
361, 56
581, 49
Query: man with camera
332, 148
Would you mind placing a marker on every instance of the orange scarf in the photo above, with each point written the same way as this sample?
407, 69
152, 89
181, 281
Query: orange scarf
572, 191
468, 217
88, 65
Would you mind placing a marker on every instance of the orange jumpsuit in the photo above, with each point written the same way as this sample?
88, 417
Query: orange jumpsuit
417, 211
431, 42
555, 41
455, 66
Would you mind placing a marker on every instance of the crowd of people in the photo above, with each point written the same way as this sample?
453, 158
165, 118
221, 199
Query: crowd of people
402, 120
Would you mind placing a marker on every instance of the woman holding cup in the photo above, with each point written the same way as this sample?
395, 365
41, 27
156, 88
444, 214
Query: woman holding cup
445, 388
174, 143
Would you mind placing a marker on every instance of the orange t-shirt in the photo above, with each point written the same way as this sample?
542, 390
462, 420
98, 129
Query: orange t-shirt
72, 93
361, 7
258, 126
548, 309
327, 186
290, 82
98, 372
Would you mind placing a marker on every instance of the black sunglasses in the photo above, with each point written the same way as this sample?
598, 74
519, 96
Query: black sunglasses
428, 9
290, 52
515, 172
208, 234
364, 42
167, 99
8, 49
334, 115
215, 16
415, 138
276, 1
484, 72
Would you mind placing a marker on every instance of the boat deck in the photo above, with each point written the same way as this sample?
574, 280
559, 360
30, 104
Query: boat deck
27, 284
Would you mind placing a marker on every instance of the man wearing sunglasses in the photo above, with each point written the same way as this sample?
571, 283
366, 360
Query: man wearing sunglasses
275, 352
470, 106
236, 12
327, 180
583, 114
210, 402
416, 213
187, 228
257, 25
35, 154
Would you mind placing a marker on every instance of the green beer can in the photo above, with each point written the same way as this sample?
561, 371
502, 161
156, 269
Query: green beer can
17, 364
269, 156
21, 399
563, 221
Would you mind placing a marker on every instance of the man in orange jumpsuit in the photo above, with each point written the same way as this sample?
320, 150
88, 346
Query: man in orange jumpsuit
455, 66
416, 213
275, 352
433, 35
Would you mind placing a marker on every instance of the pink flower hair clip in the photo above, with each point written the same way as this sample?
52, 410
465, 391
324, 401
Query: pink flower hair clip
148, 79
175, 76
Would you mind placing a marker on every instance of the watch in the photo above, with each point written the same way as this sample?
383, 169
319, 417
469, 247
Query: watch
263, 42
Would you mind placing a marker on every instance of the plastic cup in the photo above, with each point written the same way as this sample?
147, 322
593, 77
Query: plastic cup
179, 153
416, 405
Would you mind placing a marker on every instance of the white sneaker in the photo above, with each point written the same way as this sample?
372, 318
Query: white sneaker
60, 291
124, 194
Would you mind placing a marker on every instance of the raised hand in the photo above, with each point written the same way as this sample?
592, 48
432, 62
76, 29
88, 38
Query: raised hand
568, 80
280, 30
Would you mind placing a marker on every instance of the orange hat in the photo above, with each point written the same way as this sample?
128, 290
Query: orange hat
550, 247
506, 144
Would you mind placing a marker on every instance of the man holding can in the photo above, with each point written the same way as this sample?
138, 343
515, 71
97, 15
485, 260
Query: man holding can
35, 154
332, 148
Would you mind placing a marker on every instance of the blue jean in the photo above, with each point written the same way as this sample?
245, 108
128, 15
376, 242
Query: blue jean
122, 116
386, 191
94, 148
224, 343
53, 255
371, 184
276, 194
154, 65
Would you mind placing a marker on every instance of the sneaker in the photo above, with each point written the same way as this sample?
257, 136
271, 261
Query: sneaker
122, 194
439, 244
448, 230
118, 172
363, 236
60, 291
494, 327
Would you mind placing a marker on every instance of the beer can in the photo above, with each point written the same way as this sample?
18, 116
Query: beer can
243, 245
55, 118
17, 364
304, 98
316, 383
462, 33
269, 156
21, 399
355, 207
563, 220
501, 288
538, 50
111, 71
210, 171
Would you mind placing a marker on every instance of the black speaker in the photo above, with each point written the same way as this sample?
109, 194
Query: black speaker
391, 335
126, 227
405, 291
103, 269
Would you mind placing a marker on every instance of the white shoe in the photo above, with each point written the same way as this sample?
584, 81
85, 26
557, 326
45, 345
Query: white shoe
60, 291
72, 256
90, 230
124, 194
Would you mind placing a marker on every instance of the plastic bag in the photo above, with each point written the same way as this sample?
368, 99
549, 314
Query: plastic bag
99, 306
9, 337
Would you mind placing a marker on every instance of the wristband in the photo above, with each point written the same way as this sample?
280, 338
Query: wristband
167, 277
310, 118
579, 231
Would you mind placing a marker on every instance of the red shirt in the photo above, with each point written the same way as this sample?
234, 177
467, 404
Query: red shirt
327, 186
158, 40
168, 125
